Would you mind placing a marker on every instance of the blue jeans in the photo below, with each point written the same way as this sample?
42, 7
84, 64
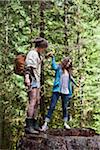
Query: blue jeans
65, 101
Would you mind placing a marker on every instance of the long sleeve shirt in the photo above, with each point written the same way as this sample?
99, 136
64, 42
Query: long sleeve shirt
67, 80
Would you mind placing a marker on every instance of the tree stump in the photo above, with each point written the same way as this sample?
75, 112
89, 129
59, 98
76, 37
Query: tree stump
61, 139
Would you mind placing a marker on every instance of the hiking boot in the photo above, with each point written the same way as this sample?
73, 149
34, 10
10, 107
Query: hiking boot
31, 130
66, 126
30, 126
35, 124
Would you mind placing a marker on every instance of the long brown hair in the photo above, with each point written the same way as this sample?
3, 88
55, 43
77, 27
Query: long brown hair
67, 64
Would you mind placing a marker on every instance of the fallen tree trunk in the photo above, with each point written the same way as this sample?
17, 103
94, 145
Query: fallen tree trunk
61, 139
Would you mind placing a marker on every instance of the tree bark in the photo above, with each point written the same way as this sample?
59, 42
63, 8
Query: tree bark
42, 28
31, 16
79, 67
65, 27
61, 139
4, 124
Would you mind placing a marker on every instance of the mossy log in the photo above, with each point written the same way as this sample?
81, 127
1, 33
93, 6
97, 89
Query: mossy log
61, 139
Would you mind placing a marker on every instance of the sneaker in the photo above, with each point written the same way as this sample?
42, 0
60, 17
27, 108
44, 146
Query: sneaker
66, 126
44, 128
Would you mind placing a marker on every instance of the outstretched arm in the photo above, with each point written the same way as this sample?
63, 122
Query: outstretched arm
54, 65
51, 54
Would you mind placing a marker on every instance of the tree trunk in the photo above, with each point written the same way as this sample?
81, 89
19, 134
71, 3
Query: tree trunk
79, 68
42, 23
1, 124
42, 27
65, 27
4, 124
31, 16
61, 139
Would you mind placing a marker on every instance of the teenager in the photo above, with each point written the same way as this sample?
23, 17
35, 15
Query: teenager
62, 87
32, 80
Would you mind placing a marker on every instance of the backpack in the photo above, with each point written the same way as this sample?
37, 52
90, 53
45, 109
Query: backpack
19, 64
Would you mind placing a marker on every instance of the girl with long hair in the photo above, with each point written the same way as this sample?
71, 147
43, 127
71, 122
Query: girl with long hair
62, 87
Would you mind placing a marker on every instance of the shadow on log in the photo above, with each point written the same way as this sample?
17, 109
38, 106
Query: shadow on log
61, 139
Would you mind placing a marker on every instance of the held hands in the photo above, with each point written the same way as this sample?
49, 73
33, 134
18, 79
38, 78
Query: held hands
49, 54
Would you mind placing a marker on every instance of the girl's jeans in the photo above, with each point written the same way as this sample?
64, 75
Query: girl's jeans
65, 101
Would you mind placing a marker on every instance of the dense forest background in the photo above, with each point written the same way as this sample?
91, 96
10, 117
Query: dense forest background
72, 27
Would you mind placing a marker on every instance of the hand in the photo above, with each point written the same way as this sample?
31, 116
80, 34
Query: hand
78, 84
27, 80
49, 54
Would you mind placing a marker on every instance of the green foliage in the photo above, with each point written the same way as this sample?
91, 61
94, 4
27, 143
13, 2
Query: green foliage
15, 33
